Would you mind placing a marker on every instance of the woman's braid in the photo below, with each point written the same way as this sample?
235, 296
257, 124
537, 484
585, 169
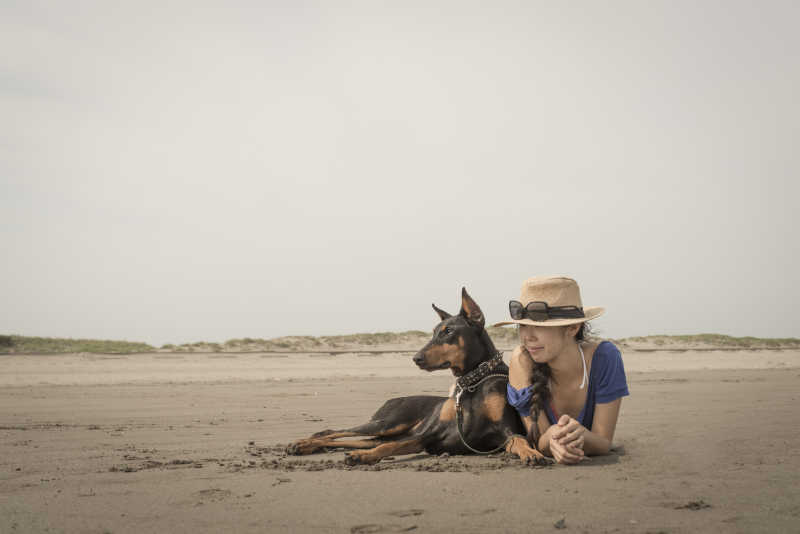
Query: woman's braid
540, 387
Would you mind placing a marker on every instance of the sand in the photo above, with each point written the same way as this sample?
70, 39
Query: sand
707, 441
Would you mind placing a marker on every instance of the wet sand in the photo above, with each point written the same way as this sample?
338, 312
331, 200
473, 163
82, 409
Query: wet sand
707, 441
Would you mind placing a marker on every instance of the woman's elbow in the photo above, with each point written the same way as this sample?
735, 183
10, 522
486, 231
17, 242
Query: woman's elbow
600, 447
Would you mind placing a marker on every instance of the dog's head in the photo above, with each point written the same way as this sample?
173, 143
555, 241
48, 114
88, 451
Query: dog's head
458, 341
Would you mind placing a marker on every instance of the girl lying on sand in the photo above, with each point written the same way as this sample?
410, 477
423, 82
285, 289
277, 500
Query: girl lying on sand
570, 387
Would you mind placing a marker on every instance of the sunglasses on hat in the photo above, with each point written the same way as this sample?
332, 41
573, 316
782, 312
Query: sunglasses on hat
540, 311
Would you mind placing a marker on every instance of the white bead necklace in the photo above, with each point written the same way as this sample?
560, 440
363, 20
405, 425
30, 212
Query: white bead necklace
583, 359
585, 375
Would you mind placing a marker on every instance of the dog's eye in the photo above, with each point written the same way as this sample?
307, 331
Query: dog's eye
447, 331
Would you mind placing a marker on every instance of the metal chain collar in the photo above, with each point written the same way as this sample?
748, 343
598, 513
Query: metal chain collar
469, 383
474, 377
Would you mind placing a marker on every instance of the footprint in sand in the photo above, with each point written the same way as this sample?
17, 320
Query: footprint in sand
480, 512
407, 513
213, 494
374, 527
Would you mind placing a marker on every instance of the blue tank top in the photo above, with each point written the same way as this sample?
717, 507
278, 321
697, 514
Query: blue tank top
606, 383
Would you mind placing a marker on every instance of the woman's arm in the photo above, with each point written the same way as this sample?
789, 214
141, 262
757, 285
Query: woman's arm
598, 440
595, 441
545, 430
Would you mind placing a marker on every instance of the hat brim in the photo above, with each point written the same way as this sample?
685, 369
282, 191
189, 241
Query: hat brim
589, 314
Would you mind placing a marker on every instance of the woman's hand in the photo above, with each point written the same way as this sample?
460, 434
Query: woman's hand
569, 432
566, 441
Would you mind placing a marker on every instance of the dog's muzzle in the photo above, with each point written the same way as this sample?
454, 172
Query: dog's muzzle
422, 363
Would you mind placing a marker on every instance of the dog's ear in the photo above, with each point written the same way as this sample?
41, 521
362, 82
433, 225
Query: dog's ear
442, 314
470, 309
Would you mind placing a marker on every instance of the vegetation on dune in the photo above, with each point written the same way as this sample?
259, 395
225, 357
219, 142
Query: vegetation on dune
504, 338
52, 344
312, 343
717, 340
376, 338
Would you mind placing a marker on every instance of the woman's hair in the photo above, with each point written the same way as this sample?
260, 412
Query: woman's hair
540, 387
540, 379
584, 332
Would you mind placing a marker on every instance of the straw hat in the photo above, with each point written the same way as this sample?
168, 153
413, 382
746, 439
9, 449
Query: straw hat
555, 291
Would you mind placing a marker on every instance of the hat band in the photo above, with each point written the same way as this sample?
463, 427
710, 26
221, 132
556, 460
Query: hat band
540, 311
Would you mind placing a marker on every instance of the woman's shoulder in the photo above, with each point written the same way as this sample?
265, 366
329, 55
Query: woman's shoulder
606, 349
601, 348
609, 372
606, 354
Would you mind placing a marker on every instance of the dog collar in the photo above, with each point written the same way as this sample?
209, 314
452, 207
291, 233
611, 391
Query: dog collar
469, 382
486, 368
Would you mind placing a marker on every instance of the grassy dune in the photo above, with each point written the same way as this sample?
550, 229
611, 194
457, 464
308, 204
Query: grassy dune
504, 338
408, 340
714, 340
52, 344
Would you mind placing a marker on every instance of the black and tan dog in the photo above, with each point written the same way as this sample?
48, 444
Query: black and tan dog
475, 419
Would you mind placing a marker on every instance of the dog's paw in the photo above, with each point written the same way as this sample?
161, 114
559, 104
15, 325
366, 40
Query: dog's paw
533, 457
359, 458
352, 458
301, 447
539, 461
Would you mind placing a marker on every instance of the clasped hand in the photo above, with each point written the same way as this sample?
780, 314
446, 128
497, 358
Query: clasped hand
566, 440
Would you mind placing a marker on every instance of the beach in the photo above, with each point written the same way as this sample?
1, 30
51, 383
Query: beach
193, 442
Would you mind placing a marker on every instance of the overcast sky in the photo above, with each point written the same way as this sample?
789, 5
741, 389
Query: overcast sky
202, 171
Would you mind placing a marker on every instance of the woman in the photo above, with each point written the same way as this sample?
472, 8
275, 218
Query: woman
567, 390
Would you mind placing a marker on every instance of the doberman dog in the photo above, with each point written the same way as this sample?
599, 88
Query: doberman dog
475, 419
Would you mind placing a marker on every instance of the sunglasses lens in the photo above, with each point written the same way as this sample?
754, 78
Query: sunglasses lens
516, 310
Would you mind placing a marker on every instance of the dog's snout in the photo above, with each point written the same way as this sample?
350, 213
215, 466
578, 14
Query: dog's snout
419, 358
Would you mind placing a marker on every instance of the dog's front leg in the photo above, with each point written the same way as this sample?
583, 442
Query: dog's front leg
373, 456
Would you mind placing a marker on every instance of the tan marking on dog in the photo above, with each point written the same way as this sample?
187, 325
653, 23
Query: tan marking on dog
493, 406
334, 435
399, 429
448, 412
352, 444
447, 352
387, 449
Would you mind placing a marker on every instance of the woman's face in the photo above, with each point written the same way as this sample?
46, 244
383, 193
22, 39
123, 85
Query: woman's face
545, 343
